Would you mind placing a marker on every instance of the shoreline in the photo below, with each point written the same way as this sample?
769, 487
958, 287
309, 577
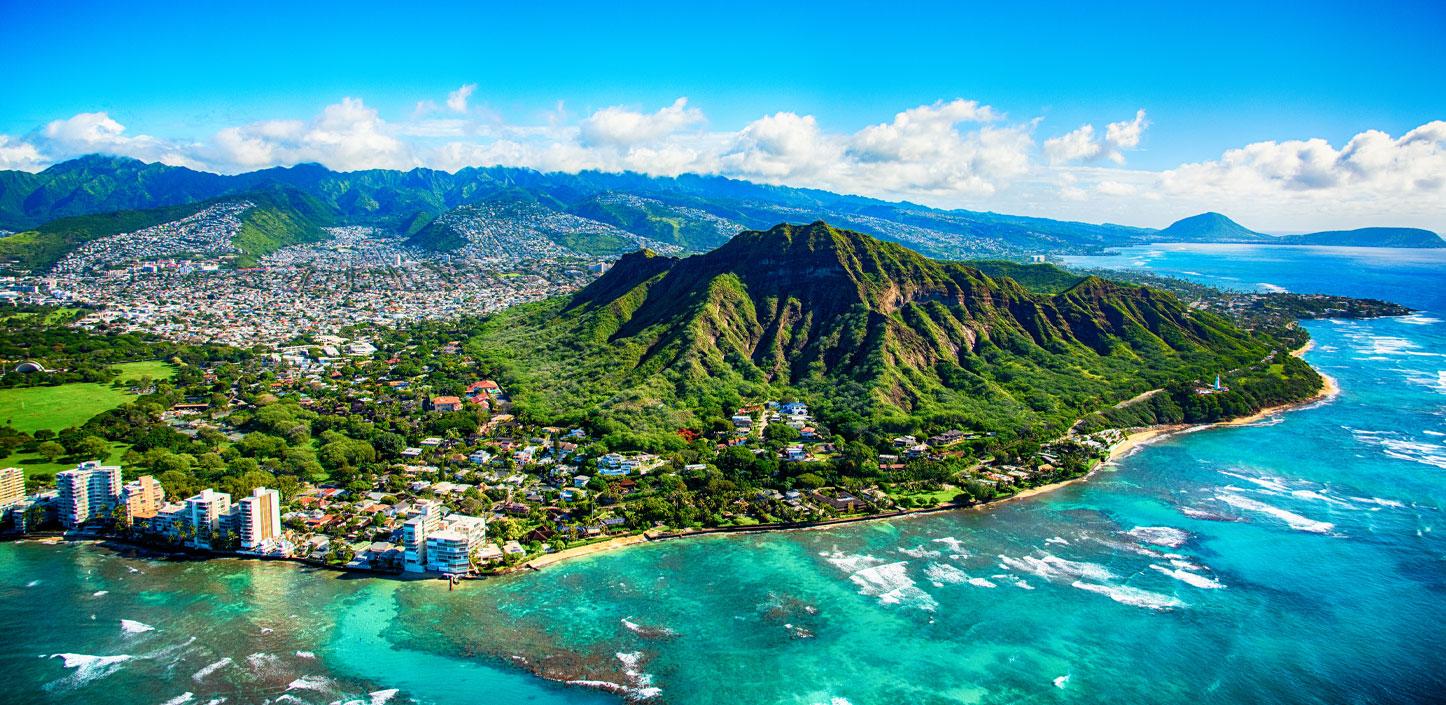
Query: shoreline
1132, 442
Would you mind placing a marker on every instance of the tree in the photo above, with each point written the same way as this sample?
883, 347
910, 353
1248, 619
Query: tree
50, 450
91, 447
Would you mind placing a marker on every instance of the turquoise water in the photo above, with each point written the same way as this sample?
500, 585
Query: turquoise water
1298, 559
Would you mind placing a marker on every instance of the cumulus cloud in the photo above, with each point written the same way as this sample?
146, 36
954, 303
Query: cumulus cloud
347, 136
1081, 145
954, 153
1370, 163
457, 100
20, 156
620, 127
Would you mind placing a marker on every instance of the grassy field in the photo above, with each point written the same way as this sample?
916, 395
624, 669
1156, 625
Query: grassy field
155, 369
30, 409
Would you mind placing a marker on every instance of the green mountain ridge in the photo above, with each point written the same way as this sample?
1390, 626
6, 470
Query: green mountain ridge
870, 333
281, 217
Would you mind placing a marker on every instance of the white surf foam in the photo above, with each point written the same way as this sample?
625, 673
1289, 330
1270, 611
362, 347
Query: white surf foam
954, 545
1052, 567
982, 582
180, 699
306, 654
1134, 597
1160, 535
208, 669
88, 668
1293, 520
919, 552
1057, 540
1418, 319
942, 574
380, 697
130, 626
1189, 578
319, 684
1061, 681
100, 593
891, 584
1269, 483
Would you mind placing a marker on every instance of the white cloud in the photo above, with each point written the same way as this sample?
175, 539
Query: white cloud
457, 100
956, 153
1077, 145
347, 136
20, 156
1080, 144
1370, 164
620, 127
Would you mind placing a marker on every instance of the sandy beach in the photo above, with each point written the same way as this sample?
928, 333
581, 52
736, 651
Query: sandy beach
588, 550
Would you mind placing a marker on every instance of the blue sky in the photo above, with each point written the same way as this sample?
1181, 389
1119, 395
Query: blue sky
1210, 78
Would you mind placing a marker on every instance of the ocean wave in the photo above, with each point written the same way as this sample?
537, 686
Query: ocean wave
208, 669
1189, 578
891, 584
319, 684
264, 664
1293, 520
1135, 597
130, 626
640, 684
1392, 445
1052, 567
849, 562
1273, 288
942, 574
1270, 483
982, 582
306, 654
1378, 502
1160, 535
100, 593
1206, 515
32, 583
919, 552
1061, 681
1317, 496
87, 668
647, 632
954, 545
380, 697
1057, 540
181, 699
1418, 319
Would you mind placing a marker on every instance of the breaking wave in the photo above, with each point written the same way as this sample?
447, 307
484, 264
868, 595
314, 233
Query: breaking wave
1291, 519
130, 626
1160, 535
1193, 579
207, 670
1134, 597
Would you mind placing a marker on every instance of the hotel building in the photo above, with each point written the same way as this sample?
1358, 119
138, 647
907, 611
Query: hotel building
90, 491
258, 519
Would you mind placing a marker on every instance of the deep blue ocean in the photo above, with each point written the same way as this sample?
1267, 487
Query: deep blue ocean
1299, 559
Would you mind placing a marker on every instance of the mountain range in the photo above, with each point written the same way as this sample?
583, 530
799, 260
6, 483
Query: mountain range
589, 213
872, 334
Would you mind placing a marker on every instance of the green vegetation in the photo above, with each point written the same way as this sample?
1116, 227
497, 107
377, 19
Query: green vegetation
878, 339
30, 409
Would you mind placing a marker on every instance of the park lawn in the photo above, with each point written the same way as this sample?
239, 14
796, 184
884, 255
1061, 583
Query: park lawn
30, 409
946, 494
155, 369
36, 464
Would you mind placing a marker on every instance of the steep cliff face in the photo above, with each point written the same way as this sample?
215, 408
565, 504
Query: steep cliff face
815, 307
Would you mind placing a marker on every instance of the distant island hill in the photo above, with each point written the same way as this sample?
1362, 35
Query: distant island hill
504, 211
1214, 227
